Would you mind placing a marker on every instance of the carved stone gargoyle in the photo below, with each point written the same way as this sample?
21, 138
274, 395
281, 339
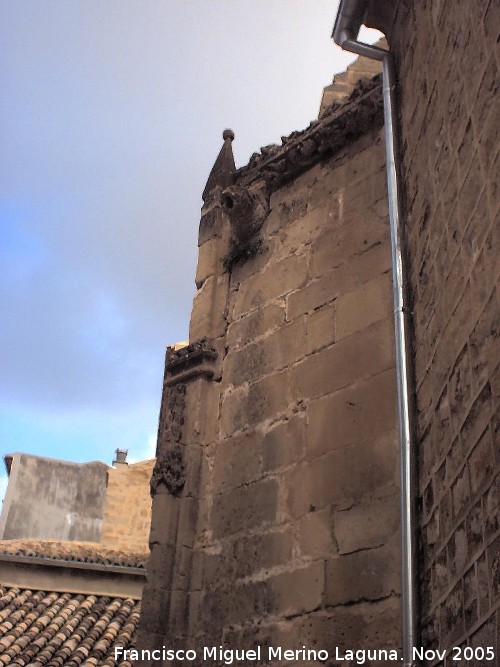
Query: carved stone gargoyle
247, 209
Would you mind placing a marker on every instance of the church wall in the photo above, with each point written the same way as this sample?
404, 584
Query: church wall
275, 496
302, 488
447, 63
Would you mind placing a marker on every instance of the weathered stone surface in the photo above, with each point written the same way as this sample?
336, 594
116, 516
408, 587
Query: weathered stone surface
362, 355
365, 625
369, 524
315, 535
246, 407
298, 591
285, 594
208, 314
284, 443
320, 329
212, 223
360, 308
244, 557
200, 426
161, 563
164, 518
279, 350
127, 508
347, 473
294, 233
271, 283
238, 461
255, 325
447, 171
210, 256
247, 507
254, 258
287, 206
367, 575
338, 245
333, 282
351, 415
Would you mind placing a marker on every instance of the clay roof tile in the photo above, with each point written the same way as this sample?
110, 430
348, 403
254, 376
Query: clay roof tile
49, 629
84, 552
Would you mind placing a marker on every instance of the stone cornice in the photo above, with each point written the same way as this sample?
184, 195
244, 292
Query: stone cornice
339, 125
73, 552
195, 360
50, 574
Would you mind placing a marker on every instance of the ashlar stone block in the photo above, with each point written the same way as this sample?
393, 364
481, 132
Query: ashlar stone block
245, 508
361, 307
273, 282
210, 256
358, 413
371, 523
362, 355
366, 575
209, 306
315, 535
255, 325
283, 444
247, 406
339, 245
238, 461
280, 349
331, 282
343, 475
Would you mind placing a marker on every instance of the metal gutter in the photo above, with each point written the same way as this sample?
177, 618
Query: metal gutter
347, 25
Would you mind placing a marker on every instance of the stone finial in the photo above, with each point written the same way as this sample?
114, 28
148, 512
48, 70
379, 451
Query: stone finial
224, 167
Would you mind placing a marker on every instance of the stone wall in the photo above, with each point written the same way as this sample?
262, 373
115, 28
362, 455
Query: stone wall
344, 82
127, 508
89, 502
276, 505
447, 62
51, 499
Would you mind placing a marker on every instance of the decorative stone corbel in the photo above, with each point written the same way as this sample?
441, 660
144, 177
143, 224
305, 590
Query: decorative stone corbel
190, 362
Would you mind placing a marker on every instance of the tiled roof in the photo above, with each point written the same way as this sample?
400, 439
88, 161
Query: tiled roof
43, 628
82, 552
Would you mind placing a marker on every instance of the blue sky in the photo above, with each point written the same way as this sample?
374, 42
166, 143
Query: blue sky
112, 114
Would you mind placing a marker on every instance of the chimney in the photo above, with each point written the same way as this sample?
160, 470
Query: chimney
121, 456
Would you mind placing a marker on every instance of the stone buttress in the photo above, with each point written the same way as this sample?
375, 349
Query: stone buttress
275, 494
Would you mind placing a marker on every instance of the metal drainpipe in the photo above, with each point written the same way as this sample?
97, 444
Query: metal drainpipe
347, 24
